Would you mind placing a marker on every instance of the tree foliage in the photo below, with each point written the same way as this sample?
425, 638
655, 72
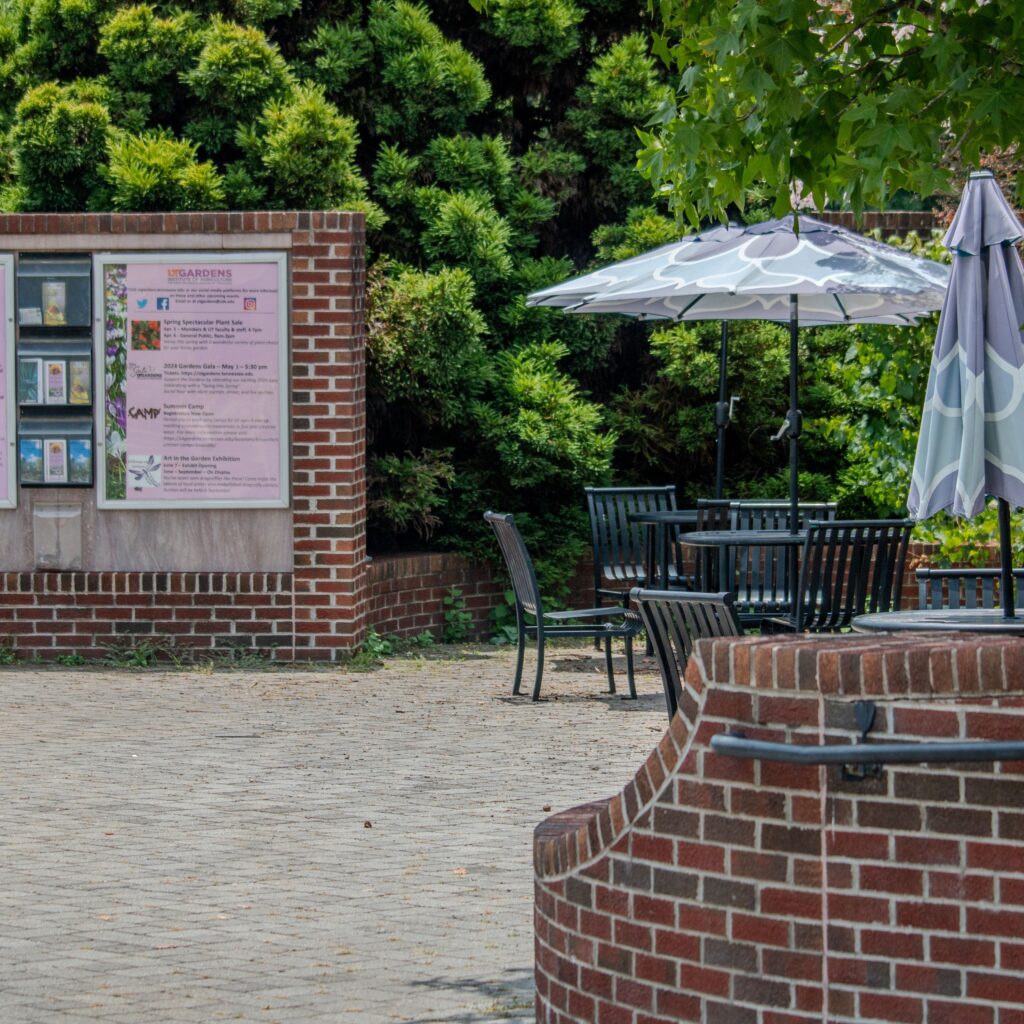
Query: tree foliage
844, 103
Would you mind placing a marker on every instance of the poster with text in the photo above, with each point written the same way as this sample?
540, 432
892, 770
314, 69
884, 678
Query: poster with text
193, 372
8, 401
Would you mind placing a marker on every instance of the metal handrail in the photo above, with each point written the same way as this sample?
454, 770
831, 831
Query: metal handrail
737, 745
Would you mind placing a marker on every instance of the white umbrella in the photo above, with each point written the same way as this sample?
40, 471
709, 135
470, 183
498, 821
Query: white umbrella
819, 274
972, 426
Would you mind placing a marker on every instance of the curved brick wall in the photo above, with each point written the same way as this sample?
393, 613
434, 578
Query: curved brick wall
723, 891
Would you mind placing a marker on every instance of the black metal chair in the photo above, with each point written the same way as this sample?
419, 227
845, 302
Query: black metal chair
965, 588
848, 567
551, 624
675, 620
620, 547
760, 575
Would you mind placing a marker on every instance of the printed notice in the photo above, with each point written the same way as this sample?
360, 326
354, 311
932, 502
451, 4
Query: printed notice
193, 357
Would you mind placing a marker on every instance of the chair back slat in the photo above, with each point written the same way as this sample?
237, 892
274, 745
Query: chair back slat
674, 621
965, 588
850, 567
619, 545
518, 563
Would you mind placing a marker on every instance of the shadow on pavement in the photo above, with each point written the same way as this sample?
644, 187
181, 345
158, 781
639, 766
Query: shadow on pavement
511, 998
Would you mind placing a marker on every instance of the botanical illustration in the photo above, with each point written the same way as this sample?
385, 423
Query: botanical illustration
30, 380
115, 308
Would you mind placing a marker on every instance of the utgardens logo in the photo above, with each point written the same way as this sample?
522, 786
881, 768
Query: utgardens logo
198, 273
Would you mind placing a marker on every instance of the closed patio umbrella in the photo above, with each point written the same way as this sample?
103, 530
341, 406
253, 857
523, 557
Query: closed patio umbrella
972, 427
820, 274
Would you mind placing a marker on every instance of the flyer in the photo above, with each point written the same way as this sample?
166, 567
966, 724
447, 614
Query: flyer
55, 460
54, 303
56, 382
195, 371
80, 382
30, 380
80, 460
30, 460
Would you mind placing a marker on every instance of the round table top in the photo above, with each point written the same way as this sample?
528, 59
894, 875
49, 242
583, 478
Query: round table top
678, 516
943, 620
751, 538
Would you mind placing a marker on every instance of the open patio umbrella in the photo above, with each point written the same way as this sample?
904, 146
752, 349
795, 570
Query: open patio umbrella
972, 428
575, 293
820, 274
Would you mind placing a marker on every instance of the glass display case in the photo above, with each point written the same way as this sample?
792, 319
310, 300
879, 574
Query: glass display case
54, 372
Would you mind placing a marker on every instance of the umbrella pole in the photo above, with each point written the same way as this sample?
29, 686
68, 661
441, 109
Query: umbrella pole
794, 448
721, 411
794, 416
1005, 561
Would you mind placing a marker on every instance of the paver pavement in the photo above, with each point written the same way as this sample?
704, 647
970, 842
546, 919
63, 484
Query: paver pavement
292, 847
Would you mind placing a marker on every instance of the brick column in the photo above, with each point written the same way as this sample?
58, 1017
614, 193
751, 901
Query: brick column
329, 433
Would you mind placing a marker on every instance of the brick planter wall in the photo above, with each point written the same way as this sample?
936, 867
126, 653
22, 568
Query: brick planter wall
316, 608
724, 891
407, 592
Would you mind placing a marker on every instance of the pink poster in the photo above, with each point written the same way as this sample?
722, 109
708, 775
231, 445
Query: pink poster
194, 391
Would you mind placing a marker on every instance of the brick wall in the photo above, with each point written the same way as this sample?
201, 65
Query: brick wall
48, 614
325, 595
723, 891
407, 592
890, 222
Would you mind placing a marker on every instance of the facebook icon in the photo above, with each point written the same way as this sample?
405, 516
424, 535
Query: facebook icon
163, 303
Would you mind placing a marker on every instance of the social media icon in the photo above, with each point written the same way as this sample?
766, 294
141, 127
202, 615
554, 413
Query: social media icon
142, 303
163, 303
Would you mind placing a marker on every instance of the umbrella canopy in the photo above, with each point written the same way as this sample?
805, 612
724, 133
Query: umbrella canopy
750, 273
972, 428
578, 289
821, 274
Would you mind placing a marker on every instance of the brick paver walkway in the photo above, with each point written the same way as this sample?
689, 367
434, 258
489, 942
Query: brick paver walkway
292, 847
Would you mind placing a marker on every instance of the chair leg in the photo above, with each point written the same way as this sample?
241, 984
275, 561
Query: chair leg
608, 663
520, 652
629, 668
540, 662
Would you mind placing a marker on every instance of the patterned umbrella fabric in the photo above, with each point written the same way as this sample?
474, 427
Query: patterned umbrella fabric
972, 430
578, 289
750, 273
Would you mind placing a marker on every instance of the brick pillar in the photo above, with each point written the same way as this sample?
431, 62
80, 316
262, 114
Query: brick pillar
329, 433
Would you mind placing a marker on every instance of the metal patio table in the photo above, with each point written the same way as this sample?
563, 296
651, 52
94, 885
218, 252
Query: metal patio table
659, 555
725, 539
940, 620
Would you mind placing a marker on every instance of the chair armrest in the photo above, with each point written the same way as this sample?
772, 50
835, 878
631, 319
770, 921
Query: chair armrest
586, 613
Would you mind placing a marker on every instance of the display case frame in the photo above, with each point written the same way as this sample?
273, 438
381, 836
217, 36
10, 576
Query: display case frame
113, 443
